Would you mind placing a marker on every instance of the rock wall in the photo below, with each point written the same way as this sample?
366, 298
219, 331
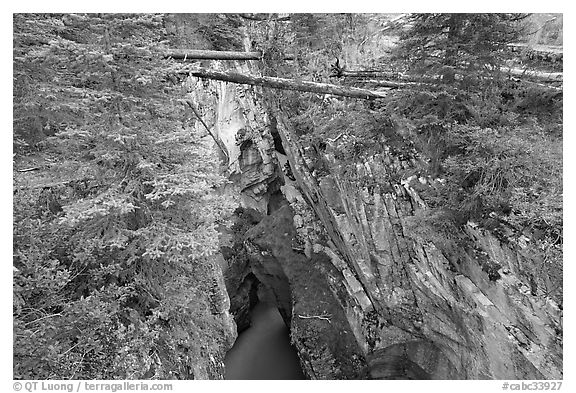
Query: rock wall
177, 358
480, 323
239, 120
320, 329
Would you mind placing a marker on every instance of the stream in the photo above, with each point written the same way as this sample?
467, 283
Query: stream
263, 351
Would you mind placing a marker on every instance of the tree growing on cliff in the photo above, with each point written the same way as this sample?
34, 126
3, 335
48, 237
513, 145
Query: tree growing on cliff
480, 130
114, 210
466, 45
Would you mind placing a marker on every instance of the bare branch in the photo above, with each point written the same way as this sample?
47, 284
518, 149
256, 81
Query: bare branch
324, 317
218, 142
29, 169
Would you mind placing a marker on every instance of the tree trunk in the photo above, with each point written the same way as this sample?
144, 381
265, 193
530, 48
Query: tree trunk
195, 54
287, 84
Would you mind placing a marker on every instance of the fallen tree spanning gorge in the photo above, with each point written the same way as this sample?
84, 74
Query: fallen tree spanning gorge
287, 84
406, 80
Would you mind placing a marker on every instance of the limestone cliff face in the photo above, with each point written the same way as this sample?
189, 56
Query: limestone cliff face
239, 120
451, 319
210, 365
368, 285
177, 358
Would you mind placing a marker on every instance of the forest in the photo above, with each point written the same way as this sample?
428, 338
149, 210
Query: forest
136, 214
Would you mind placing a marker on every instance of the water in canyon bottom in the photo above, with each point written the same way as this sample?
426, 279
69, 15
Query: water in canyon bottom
263, 351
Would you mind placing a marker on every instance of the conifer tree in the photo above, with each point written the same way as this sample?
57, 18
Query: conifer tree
446, 44
115, 222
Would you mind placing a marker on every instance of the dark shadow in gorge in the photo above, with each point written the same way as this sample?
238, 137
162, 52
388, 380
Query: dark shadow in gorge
263, 351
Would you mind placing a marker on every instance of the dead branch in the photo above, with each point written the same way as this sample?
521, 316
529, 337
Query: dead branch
218, 142
324, 317
29, 169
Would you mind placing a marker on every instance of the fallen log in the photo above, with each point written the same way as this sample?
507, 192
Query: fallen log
404, 81
287, 84
538, 75
549, 49
531, 83
544, 76
366, 74
258, 18
200, 54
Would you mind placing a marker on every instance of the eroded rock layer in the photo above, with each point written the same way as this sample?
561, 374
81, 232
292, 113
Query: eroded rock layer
475, 307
